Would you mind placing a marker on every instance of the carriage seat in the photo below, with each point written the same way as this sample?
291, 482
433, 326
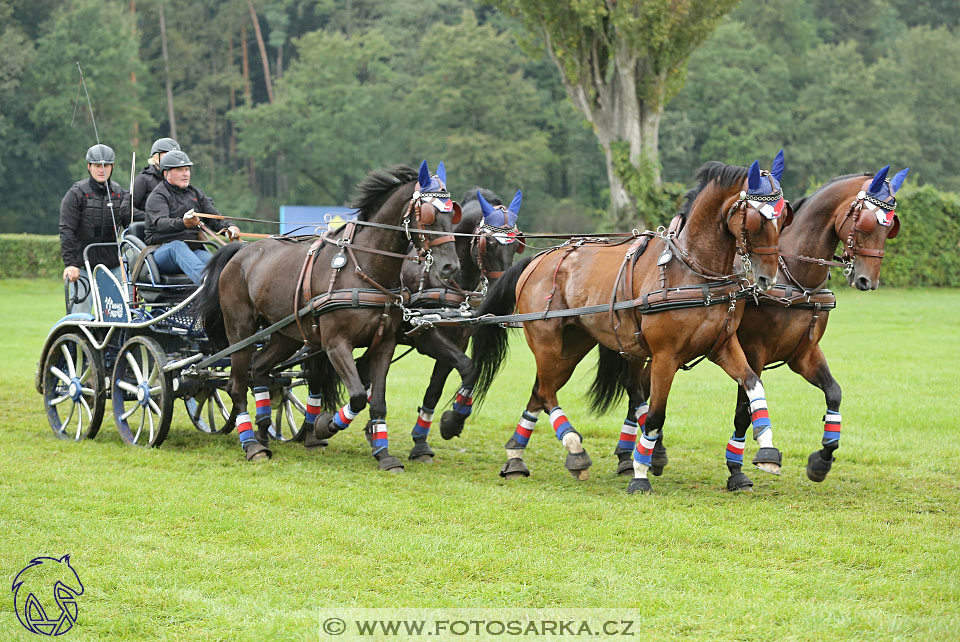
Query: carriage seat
151, 284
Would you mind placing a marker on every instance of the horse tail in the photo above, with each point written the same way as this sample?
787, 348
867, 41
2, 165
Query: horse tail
606, 389
322, 373
208, 302
490, 341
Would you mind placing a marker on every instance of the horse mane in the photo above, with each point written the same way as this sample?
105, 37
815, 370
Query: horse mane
721, 174
488, 195
372, 192
796, 205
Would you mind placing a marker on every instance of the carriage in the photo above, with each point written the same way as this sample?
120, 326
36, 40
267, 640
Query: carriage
143, 346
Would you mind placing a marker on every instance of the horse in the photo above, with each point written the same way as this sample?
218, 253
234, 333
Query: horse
487, 248
360, 306
855, 210
681, 300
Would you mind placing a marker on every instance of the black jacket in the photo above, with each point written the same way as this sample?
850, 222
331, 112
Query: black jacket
146, 180
85, 219
165, 208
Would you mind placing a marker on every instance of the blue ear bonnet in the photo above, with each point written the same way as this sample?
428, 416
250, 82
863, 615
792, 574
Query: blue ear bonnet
762, 184
432, 182
882, 189
498, 215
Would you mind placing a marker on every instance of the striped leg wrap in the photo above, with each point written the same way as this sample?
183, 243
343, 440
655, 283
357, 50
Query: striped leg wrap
561, 425
735, 449
831, 427
344, 416
628, 433
758, 412
244, 428
422, 428
262, 397
378, 438
521, 436
644, 450
313, 408
463, 405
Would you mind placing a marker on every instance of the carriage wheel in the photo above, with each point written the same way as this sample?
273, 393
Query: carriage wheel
209, 412
288, 420
142, 393
73, 388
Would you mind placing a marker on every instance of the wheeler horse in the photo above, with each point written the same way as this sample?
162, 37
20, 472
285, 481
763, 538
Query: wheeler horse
856, 211
671, 302
489, 239
349, 281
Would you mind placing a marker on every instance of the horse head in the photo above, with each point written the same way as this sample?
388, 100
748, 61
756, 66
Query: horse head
499, 238
866, 224
435, 214
756, 217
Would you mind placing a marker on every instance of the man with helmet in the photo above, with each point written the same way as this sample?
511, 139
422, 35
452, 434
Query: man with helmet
171, 222
91, 211
150, 176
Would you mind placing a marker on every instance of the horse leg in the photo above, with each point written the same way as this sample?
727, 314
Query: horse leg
662, 371
451, 423
446, 355
376, 430
812, 366
515, 466
734, 363
421, 450
328, 424
277, 349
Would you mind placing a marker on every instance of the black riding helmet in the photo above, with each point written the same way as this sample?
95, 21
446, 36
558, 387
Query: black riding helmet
100, 155
164, 145
175, 158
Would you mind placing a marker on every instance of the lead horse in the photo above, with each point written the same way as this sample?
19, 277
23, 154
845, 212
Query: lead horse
856, 211
350, 281
671, 302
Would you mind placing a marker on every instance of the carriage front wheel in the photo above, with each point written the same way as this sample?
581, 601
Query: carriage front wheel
73, 388
290, 402
208, 411
142, 393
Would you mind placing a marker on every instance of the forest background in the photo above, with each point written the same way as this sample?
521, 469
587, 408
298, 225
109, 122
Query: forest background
342, 87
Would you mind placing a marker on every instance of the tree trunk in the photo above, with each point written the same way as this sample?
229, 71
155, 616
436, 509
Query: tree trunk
166, 72
263, 51
232, 145
135, 137
248, 101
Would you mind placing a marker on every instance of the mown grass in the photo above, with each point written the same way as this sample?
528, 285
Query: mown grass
189, 542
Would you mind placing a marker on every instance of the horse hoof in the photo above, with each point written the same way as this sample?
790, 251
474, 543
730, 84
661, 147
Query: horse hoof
817, 469
768, 460
739, 482
639, 485
323, 426
451, 424
515, 468
256, 452
390, 464
659, 460
578, 465
421, 452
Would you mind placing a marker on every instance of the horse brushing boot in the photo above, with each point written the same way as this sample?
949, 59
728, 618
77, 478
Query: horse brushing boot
578, 462
307, 434
451, 423
261, 396
515, 466
641, 464
628, 440
253, 449
376, 433
820, 462
737, 481
327, 424
421, 451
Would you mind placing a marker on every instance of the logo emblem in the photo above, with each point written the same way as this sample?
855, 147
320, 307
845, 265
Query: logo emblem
45, 595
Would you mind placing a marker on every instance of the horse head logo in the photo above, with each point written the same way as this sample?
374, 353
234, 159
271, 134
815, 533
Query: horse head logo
32, 588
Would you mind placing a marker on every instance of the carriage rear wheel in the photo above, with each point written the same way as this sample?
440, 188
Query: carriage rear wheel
291, 409
142, 393
73, 388
209, 412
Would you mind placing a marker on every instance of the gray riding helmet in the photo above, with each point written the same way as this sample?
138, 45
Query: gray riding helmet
100, 155
163, 145
175, 158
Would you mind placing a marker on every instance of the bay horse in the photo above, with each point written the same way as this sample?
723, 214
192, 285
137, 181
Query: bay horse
494, 239
857, 211
351, 280
681, 298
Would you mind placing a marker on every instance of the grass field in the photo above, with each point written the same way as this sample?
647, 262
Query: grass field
189, 542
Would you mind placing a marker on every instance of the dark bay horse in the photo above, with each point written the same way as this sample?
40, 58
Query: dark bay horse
683, 302
351, 278
788, 321
484, 257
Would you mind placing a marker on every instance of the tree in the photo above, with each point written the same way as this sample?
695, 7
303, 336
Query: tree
621, 63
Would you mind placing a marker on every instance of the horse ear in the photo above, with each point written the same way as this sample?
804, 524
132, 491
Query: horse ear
897, 181
877, 183
753, 176
515, 203
442, 173
65, 558
485, 207
778, 166
424, 176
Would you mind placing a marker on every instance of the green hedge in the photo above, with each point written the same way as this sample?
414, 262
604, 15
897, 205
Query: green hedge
927, 250
30, 256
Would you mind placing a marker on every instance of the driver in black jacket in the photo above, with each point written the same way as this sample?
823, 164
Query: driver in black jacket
172, 224
86, 217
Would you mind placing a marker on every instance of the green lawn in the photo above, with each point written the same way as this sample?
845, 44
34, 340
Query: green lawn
189, 542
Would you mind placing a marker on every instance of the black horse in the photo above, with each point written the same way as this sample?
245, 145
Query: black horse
351, 280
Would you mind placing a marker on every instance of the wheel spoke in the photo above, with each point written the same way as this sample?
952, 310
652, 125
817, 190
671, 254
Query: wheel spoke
79, 363
150, 416
63, 426
66, 355
143, 418
59, 374
155, 390
84, 403
88, 391
128, 387
135, 367
154, 406
127, 414
59, 400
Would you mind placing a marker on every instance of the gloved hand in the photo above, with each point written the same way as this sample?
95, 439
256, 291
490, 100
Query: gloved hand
71, 273
190, 219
